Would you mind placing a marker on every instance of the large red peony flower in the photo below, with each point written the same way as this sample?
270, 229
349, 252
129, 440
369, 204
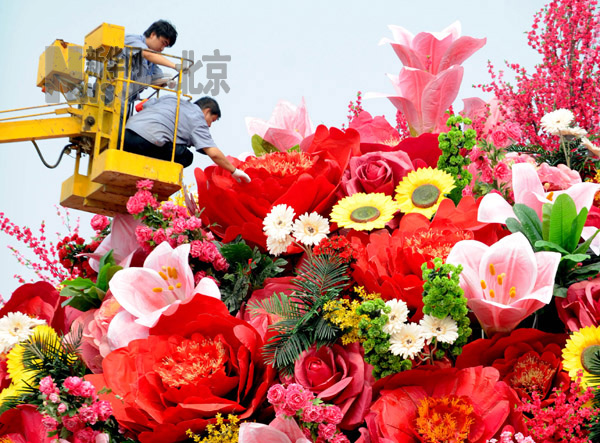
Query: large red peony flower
581, 307
43, 301
338, 375
306, 180
197, 362
433, 405
528, 360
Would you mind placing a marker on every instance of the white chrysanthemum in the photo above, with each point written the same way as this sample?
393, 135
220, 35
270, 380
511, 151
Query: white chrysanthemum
277, 247
408, 342
397, 317
16, 327
310, 229
278, 223
556, 121
445, 330
576, 132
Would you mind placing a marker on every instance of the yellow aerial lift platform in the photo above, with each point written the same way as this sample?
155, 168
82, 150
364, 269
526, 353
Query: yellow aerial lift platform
94, 81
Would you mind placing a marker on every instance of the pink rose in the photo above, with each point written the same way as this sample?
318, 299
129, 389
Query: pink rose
581, 307
297, 397
99, 222
276, 394
72, 384
513, 131
502, 172
376, 172
338, 375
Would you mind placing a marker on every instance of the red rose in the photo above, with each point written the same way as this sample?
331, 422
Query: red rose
429, 404
581, 307
307, 181
527, 360
197, 362
338, 375
376, 172
43, 301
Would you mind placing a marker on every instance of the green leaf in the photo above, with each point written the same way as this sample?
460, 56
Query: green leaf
562, 220
573, 259
294, 149
530, 222
261, 147
546, 212
514, 226
550, 246
107, 258
583, 248
78, 283
586, 270
236, 253
577, 229
106, 273
559, 291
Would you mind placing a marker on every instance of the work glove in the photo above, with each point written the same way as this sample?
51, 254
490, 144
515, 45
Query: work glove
241, 175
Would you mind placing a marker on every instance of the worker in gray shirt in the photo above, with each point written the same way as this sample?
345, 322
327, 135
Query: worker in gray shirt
160, 35
150, 132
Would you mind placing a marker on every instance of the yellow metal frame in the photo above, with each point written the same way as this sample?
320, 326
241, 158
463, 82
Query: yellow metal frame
92, 125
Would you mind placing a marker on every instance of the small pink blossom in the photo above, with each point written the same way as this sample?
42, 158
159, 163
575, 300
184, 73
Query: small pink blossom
143, 234
204, 251
193, 223
313, 414
87, 414
333, 414
159, 236
54, 397
145, 185
47, 386
220, 264
179, 225
49, 422
72, 384
502, 172
513, 131
500, 138
103, 409
181, 239
297, 397
61, 408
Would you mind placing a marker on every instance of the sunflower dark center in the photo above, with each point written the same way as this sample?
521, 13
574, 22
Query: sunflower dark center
365, 214
587, 356
425, 196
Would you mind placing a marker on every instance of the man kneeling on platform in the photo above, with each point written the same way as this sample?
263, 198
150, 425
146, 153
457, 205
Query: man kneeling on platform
150, 132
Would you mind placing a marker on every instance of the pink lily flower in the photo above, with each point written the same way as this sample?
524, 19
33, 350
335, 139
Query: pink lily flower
529, 190
506, 282
280, 430
423, 97
121, 240
165, 281
433, 52
286, 128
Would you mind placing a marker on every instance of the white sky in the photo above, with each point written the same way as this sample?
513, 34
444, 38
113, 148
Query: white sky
324, 51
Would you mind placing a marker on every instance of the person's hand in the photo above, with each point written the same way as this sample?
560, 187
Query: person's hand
241, 175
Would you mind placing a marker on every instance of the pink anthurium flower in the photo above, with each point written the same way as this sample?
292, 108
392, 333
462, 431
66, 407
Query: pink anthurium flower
165, 281
433, 52
286, 128
506, 282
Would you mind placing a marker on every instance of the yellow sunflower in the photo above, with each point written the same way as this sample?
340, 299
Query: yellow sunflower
578, 351
422, 191
364, 212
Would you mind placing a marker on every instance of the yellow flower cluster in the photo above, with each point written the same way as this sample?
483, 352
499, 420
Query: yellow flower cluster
220, 432
179, 197
342, 313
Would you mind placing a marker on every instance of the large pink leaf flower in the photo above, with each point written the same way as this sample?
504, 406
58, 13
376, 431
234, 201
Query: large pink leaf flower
165, 281
433, 52
287, 127
506, 282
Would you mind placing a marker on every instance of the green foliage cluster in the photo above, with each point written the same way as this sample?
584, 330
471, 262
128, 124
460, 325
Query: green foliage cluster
558, 231
261, 147
248, 269
443, 297
85, 294
377, 342
451, 160
320, 279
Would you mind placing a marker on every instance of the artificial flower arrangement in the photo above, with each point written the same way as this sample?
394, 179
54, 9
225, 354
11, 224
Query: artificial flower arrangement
436, 281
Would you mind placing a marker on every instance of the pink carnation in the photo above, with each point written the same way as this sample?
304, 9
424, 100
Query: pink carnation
327, 431
87, 390
181, 239
49, 422
62, 408
220, 264
500, 139
313, 414
143, 234
276, 394
86, 435
145, 185
72, 423
204, 250
72, 384
159, 236
99, 222
54, 397
502, 172
47, 386
193, 223
87, 414
513, 131
297, 397
179, 225
104, 409
333, 414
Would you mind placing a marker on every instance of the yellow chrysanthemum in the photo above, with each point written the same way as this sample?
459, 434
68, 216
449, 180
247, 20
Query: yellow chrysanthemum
14, 362
364, 212
578, 351
422, 191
